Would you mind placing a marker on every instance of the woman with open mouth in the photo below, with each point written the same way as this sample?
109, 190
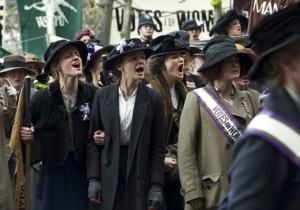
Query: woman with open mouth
213, 117
166, 65
125, 150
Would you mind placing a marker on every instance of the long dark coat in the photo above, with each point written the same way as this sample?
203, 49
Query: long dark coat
269, 179
145, 163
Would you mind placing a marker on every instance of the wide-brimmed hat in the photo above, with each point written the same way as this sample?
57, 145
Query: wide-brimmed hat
15, 62
189, 24
33, 59
83, 32
166, 44
94, 51
124, 47
55, 47
272, 33
224, 19
221, 47
145, 19
185, 36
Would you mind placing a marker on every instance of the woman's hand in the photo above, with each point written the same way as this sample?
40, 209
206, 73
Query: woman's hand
99, 137
27, 133
170, 164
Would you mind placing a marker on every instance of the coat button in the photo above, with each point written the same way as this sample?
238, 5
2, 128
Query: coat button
227, 146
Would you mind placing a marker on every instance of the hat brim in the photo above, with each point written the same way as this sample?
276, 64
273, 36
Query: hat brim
39, 64
169, 52
259, 73
217, 28
26, 70
111, 61
95, 55
83, 51
195, 50
244, 58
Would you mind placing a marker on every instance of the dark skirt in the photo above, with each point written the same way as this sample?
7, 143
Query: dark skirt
65, 187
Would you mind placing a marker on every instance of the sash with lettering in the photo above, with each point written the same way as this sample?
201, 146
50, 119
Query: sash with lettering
279, 132
219, 113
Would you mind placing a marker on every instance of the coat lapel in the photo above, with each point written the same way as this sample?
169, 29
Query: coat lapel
138, 117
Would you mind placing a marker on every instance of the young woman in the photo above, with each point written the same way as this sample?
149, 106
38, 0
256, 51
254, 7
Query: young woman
60, 118
212, 119
167, 66
125, 166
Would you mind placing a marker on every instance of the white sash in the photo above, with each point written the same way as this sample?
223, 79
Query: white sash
283, 136
219, 114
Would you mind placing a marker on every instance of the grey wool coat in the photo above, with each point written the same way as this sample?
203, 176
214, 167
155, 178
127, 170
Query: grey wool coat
204, 153
145, 162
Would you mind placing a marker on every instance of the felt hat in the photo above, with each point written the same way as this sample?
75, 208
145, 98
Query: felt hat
55, 47
189, 24
272, 33
83, 32
166, 44
219, 48
33, 59
124, 47
224, 19
185, 36
15, 62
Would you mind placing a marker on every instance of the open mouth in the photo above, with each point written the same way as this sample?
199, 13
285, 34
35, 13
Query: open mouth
76, 65
140, 69
180, 68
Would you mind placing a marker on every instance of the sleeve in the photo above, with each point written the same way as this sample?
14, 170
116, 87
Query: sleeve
157, 143
187, 144
93, 150
257, 176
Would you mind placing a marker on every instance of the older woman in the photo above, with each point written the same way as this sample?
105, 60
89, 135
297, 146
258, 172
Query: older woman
212, 119
126, 171
167, 66
60, 118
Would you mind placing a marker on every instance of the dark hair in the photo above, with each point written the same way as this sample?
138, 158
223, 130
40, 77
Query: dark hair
156, 64
209, 75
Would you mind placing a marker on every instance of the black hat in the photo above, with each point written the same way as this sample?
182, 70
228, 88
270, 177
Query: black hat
95, 49
219, 48
189, 24
273, 33
126, 46
166, 44
145, 19
185, 36
224, 19
15, 62
55, 47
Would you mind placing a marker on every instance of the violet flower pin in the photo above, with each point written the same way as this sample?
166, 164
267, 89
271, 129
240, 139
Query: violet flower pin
85, 109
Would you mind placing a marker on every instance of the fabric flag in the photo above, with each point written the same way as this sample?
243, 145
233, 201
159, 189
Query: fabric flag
33, 22
15, 145
262, 8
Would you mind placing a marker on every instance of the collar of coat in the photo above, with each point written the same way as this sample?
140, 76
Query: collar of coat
159, 83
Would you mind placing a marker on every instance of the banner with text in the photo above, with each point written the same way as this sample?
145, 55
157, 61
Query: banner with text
33, 22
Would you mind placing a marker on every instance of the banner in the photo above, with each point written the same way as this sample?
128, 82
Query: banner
33, 22
262, 8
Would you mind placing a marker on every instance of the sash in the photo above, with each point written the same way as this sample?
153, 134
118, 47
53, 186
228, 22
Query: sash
277, 131
219, 113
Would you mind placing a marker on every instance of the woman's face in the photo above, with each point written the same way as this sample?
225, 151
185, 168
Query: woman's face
69, 63
234, 28
174, 64
133, 65
98, 63
230, 68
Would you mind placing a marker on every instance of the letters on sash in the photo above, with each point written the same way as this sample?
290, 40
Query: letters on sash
280, 133
219, 113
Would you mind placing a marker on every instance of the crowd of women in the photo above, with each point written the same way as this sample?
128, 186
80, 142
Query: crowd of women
122, 128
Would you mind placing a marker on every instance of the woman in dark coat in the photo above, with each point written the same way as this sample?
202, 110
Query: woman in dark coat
60, 118
126, 172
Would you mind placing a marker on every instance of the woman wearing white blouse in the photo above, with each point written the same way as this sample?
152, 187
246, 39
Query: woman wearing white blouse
126, 172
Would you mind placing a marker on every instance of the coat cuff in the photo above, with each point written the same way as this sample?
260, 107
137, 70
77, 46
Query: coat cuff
191, 192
